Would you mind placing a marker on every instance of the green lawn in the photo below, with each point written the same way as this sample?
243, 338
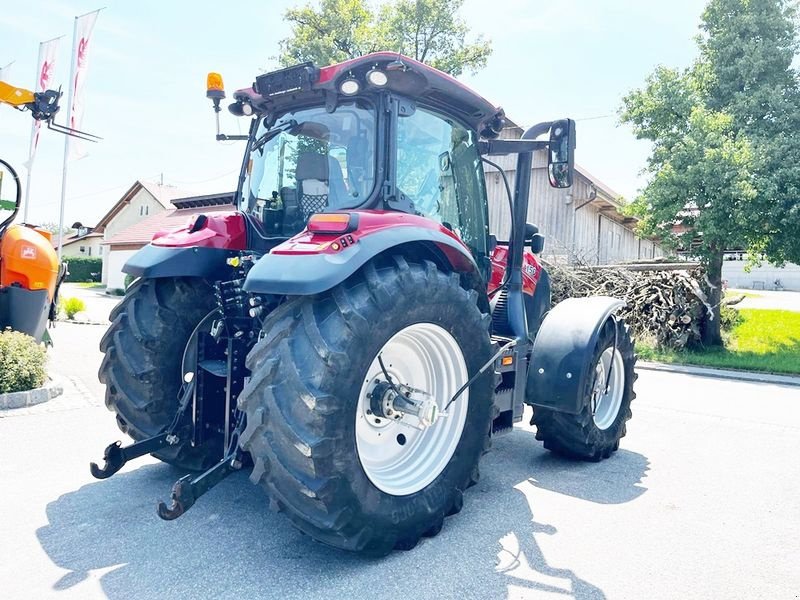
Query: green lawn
766, 340
733, 293
90, 285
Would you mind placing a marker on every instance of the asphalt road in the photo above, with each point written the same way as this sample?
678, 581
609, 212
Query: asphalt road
701, 501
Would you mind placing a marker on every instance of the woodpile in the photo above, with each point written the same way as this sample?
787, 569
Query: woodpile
666, 303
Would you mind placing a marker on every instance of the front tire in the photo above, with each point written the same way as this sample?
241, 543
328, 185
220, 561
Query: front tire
594, 433
315, 453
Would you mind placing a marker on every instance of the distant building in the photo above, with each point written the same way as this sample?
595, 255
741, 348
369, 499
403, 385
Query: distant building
86, 241
583, 224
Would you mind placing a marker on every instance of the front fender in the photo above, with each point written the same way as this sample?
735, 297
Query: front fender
163, 261
562, 350
303, 274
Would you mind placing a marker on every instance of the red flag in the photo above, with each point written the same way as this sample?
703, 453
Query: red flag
44, 75
80, 65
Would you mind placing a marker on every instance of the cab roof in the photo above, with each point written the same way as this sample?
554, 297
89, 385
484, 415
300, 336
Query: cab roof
417, 81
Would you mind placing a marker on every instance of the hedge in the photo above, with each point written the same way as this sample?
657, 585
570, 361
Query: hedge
83, 268
22, 362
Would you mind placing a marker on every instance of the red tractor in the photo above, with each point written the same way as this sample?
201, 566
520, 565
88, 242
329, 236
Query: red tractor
351, 328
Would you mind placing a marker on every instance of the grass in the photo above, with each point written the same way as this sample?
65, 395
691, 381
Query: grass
765, 340
733, 293
90, 285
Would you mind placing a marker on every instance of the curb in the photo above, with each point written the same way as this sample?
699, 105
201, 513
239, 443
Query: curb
751, 376
51, 389
77, 322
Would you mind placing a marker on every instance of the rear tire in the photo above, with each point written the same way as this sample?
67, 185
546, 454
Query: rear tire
594, 433
303, 406
141, 369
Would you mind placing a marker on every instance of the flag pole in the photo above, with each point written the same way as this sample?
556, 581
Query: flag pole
66, 138
66, 141
34, 128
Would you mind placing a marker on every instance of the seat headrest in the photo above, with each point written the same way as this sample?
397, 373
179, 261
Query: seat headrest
311, 165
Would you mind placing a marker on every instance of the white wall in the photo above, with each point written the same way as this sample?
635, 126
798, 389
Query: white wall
113, 276
92, 248
762, 277
141, 206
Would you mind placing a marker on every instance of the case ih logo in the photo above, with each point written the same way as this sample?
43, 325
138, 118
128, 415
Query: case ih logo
83, 46
44, 77
28, 252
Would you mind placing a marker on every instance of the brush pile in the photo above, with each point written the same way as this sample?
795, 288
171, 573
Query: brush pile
666, 303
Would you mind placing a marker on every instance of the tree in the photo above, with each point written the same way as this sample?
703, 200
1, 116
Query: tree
747, 49
427, 30
724, 169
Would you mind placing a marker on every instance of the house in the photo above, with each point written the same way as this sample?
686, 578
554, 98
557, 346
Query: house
86, 241
142, 200
126, 242
584, 224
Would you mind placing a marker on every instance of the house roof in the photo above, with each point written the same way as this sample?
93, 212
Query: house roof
162, 194
72, 239
143, 231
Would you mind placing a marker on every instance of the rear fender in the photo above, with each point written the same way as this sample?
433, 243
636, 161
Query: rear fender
312, 263
563, 347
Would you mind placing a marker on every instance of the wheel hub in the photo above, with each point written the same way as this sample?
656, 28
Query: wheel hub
403, 441
608, 388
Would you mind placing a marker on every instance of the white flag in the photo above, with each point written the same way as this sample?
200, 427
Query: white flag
44, 75
80, 65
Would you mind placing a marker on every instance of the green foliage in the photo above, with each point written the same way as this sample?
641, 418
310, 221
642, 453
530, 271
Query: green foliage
22, 362
71, 307
427, 30
729, 318
84, 268
725, 165
128, 280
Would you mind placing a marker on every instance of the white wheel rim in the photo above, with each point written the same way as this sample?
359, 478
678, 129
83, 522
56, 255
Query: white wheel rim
398, 458
606, 402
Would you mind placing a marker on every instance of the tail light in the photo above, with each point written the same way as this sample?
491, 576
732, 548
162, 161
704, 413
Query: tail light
333, 223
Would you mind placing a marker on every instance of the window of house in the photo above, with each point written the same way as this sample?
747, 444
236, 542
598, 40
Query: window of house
83, 248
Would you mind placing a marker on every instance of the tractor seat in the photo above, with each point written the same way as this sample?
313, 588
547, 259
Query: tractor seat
319, 183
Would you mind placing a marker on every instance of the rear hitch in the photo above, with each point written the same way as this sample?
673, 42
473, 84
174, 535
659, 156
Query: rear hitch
115, 455
189, 488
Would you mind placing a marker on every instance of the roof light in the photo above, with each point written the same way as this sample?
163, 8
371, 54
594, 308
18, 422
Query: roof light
377, 78
214, 86
332, 223
349, 87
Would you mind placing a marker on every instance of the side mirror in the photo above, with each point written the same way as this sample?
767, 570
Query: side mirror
530, 231
10, 195
537, 243
561, 153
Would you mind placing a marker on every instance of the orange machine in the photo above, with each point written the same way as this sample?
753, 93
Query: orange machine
29, 270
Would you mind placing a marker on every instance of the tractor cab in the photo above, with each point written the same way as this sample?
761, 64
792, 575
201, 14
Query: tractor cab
381, 132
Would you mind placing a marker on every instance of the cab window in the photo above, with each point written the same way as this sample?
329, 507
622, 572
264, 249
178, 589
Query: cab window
439, 170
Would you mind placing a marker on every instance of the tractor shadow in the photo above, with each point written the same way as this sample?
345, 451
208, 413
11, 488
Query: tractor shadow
229, 544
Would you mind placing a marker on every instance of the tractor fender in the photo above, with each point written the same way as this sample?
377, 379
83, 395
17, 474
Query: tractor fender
164, 261
305, 273
562, 350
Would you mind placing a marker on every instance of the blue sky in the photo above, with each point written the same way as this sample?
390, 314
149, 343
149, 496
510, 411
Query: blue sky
146, 84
